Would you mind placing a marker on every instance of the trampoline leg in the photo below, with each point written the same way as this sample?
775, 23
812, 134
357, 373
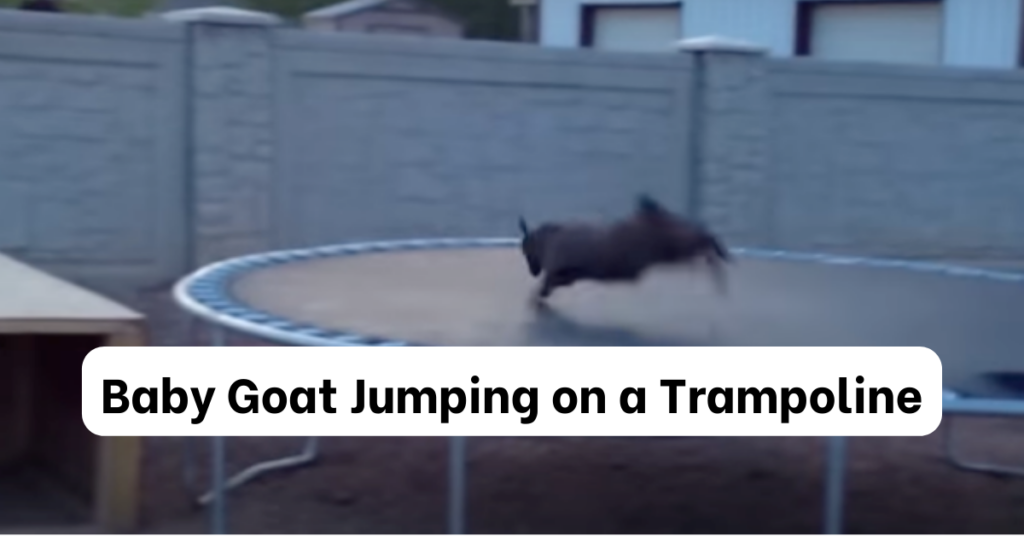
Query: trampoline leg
457, 485
189, 469
308, 455
835, 476
218, 514
218, 492
956, 461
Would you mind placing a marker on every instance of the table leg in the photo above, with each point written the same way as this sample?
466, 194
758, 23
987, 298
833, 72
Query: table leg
119, 461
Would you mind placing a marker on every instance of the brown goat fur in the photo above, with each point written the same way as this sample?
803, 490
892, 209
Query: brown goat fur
562, 253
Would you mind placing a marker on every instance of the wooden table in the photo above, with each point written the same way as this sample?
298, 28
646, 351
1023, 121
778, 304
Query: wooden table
47, 326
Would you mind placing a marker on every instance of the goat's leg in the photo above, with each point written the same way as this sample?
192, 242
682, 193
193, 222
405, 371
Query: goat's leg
541, 292
718, 273
546, 287
551, 282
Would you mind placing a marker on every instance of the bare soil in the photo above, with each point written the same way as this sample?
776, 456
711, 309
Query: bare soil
600, 485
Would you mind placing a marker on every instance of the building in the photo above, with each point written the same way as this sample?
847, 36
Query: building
164, 6
415, 17
978, 33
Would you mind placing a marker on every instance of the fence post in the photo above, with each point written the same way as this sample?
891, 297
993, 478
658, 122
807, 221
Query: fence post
230, 131
729, 137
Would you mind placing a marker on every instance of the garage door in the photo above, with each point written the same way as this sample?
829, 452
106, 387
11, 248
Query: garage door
891, 33
652, 29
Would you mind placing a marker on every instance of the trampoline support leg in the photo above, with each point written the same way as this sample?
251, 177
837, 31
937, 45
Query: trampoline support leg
457, 485
307, 456
981, 467
216, 495
835, 476
218, 514
189, 471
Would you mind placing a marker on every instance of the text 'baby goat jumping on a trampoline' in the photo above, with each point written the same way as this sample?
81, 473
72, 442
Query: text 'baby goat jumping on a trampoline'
563, 253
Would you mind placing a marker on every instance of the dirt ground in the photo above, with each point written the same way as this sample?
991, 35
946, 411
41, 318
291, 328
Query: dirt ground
602, 485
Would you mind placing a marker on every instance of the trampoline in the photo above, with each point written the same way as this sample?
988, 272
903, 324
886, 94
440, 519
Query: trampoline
474, 292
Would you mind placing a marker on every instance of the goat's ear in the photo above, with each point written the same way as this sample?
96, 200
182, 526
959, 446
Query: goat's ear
523, 227
646, 204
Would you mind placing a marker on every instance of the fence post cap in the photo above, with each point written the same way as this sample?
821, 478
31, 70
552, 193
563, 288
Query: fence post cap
222, 15
718, 43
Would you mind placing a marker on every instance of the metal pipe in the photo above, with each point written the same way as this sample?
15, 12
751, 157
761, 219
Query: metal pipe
835, 476
218, 515
457, 485
307, 456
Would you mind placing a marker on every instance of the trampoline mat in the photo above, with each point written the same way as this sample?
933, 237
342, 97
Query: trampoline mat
479, 297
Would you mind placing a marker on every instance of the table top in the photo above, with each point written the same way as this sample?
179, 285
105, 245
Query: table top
31, 299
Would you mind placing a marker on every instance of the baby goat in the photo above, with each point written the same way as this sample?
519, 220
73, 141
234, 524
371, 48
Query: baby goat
563, 253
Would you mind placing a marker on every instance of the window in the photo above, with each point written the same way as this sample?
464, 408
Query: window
875, 31
631, 28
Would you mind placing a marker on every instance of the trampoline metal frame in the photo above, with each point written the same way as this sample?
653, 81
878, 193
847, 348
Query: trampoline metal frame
203, 294
956, 406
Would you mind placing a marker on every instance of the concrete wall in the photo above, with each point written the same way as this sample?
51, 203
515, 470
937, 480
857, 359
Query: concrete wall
91, 152
891, 161
133, 151
302, 138
915, 162
460, 140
